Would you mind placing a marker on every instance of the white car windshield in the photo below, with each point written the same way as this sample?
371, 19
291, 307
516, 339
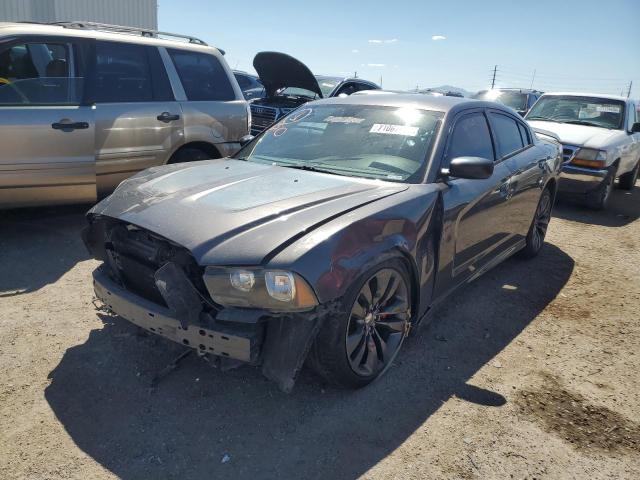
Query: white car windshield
589, 111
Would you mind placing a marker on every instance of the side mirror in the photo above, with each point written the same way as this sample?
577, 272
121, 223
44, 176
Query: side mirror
470, 167
635, 128
246, 139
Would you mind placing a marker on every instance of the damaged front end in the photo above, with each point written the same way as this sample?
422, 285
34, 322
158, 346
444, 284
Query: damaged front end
157, 285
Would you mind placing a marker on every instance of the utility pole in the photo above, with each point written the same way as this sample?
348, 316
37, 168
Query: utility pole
355, 74
493, 80
380, 81
533, 78
629, 91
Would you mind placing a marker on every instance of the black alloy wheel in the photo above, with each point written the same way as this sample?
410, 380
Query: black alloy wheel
378, 323
539, 225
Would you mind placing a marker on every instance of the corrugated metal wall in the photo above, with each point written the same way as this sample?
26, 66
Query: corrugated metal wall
134, 13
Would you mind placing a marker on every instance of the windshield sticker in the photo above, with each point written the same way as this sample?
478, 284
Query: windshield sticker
332, 119
608, 108
297, 116
279, 131
387, 129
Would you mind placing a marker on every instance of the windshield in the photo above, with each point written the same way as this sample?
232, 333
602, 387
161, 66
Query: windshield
369, 141
326, 85
515, 100
591, 111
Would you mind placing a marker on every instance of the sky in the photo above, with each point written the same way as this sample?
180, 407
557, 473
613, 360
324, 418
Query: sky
588, 45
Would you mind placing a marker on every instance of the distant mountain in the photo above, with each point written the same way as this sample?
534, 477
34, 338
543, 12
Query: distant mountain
451, 88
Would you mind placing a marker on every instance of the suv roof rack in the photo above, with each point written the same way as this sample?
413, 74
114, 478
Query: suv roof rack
143, 32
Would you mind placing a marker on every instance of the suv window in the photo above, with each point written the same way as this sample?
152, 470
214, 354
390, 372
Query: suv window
507, 133
202, 76
39, 74
122, 73
470, 138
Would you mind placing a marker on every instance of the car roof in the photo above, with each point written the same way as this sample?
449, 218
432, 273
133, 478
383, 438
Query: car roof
586, 94
343, 79
416, 100
8, 29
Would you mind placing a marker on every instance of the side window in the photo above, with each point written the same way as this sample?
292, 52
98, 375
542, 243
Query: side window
470, 138
524, 134
202, 76
244, 82
122, 73
42, 73
347, 89
532, 100
507, 134
362, 86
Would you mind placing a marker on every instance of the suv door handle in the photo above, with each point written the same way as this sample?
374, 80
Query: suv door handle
70, 125
168, 117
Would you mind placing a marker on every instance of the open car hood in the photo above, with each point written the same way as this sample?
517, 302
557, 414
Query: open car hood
279, 70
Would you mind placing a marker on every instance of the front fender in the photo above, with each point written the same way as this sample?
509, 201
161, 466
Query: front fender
332, 257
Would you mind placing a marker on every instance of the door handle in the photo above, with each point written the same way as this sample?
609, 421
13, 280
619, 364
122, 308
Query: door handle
168, 117
70, 125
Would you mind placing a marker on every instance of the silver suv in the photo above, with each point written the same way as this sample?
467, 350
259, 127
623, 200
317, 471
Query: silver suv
84, 106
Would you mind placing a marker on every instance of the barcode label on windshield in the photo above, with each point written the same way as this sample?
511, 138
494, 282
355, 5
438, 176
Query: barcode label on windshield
394, 129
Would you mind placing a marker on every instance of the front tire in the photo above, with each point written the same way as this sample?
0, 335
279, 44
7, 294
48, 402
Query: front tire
599, 198
628, 180
539, 225
358, 345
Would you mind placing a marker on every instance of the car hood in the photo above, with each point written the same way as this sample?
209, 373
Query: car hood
279, 70
232, 212
581, 135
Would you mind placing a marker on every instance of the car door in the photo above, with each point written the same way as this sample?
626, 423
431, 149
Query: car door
515, 148
476, 211
46, 128
138, 121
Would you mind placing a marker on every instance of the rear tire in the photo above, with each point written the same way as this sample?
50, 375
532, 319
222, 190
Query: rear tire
189, 155
628, 180
599, 198
358, 344
539, 224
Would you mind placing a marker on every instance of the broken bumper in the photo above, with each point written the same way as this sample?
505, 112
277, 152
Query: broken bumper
279, 343
159, 320
578, 180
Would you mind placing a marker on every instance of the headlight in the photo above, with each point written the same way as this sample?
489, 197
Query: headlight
275, 290
590, 157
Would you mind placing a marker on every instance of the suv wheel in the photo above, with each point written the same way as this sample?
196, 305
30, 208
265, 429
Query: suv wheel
628, 180
599, 198
356, 346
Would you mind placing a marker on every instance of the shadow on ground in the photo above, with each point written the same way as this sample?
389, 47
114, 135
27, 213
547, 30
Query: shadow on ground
623, 209
45, 241
183, 428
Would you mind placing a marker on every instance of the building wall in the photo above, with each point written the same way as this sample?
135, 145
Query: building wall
134, 13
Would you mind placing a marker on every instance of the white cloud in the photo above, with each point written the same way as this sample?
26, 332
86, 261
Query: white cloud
376, 65
355, 50
389, 40
438, 37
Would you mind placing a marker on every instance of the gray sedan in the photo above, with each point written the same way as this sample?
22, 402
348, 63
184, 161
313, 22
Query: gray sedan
328, 236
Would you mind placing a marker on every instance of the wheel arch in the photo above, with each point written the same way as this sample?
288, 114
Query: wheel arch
205, 147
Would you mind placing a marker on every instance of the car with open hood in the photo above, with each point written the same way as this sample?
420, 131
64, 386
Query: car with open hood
288, 83
600, 135
329, 236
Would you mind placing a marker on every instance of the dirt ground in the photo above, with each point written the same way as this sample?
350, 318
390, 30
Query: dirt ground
533, 372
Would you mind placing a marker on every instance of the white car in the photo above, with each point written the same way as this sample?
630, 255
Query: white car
600, 135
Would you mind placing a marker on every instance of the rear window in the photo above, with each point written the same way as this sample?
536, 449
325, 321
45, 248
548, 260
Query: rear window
507, 134
202, 76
